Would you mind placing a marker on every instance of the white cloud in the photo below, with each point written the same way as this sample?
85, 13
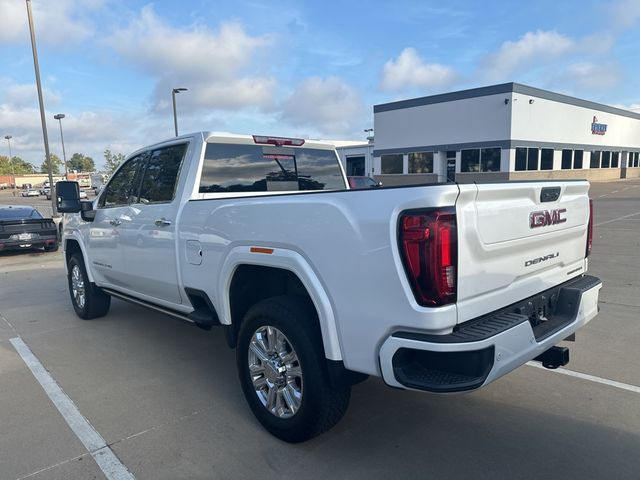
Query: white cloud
531, 50
625, 13
25, 95
85, 132
594, 76
410, 71
327, 105
216, 66
62, 22
634, 107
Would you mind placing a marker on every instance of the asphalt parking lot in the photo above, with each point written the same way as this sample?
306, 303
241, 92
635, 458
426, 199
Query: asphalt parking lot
164, 395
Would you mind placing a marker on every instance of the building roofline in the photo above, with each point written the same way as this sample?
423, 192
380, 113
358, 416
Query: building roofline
502, 88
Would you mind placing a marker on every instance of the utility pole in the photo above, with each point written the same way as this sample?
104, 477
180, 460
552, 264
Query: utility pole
41, 102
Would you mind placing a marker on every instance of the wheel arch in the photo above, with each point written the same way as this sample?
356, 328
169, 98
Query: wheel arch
248, 277
71, 246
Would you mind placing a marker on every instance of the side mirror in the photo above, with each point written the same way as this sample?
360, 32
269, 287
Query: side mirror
67, 196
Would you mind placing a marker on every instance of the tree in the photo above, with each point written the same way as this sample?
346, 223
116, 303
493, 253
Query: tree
55, 165
112, 160
81, 163
20, 167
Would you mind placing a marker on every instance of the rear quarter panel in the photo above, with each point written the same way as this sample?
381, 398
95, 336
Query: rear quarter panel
347, 238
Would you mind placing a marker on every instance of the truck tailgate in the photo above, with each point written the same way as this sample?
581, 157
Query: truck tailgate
518, 239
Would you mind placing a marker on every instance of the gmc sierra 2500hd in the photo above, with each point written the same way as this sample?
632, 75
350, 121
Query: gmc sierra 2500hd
439, 288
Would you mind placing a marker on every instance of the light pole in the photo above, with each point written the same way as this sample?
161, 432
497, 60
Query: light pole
173, 97
13, 174
59, 117
43, 120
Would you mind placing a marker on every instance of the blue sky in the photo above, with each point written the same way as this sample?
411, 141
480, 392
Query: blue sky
312, 69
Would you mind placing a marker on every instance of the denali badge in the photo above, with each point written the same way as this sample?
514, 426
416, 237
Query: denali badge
533, 261
546, 217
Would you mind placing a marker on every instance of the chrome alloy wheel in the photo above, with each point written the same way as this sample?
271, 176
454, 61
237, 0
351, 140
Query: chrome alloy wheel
77, 286
275, 372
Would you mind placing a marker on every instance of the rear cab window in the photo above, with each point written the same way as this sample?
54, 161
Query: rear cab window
231, 168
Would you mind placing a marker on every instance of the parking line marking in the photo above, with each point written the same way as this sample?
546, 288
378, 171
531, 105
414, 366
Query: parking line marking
591, 378
110, 465
616, 219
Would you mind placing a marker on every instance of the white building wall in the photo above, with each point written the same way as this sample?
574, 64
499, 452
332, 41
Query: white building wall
461, 121
549, 121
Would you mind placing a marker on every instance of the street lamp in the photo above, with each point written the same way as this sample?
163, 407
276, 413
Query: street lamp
173, 97
8, 138
59, 117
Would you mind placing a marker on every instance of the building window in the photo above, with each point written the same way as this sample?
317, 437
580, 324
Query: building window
421, 162
527, 158
635, 160
606, 159
615, 159
595, 159
521, 159
532, 159
577, 159
546, 160
355, 166
470, 160
391, 164
566, 159
490, 159
630, 156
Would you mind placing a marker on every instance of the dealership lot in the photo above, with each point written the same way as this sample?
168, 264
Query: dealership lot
164, 395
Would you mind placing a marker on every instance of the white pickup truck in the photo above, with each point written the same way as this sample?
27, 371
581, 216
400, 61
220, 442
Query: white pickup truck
437, 288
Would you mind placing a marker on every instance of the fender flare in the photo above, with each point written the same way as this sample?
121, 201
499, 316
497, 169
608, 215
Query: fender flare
76, 238
294, 262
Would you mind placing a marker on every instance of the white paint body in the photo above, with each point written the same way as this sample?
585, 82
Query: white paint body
343, 247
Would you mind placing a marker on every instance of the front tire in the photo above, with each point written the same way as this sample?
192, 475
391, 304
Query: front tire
88, 300
282, 370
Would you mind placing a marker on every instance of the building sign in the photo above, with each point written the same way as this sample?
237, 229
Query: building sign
598, 128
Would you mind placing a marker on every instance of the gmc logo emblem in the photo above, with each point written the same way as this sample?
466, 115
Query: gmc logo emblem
546, 217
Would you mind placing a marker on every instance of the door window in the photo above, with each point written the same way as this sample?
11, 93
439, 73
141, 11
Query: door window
123, 187
161, 174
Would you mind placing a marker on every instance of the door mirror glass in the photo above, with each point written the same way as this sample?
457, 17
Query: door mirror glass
67, 196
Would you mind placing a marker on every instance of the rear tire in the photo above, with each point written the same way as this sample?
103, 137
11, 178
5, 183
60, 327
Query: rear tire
51, 248
88, 300
282, 370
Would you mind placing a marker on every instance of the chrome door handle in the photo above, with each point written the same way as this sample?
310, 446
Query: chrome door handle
162, 222
115, 222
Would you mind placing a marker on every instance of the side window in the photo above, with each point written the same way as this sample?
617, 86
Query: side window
161, 174
122, 189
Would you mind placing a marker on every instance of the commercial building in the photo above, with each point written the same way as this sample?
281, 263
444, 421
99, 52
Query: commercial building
501, 132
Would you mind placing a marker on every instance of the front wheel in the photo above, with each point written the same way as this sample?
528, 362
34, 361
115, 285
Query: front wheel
88, 300
282, 370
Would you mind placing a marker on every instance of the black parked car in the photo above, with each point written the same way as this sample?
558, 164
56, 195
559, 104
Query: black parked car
23, 227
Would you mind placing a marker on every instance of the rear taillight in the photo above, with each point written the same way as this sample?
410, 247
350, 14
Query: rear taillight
429, 248
590, 229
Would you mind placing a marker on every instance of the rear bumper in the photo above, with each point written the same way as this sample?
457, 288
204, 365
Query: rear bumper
41, 241
482, 350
